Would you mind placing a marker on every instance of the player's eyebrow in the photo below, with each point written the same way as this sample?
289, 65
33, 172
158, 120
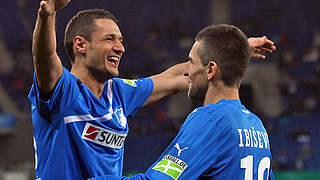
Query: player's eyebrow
114, 36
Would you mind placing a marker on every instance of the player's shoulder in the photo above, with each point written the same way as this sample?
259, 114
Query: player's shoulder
222, 113
66, 71
129, 82
221, 108
207, 112
204, 116
66, 74
126, 82
208, 109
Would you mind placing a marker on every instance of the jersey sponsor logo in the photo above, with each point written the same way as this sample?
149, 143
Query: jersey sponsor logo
103, 136
171, 166
179, 149
92, 132
130, 82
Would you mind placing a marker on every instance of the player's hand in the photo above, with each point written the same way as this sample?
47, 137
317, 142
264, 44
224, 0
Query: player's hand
49, 7
259, 46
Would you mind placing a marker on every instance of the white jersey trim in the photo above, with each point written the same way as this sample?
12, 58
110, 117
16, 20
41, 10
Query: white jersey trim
70, 119
77, 118
110, 95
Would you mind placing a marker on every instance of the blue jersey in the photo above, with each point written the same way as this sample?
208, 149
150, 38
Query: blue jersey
77, 135
217, 141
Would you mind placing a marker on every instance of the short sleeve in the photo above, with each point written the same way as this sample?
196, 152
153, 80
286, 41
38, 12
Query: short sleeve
133, 93
63, 95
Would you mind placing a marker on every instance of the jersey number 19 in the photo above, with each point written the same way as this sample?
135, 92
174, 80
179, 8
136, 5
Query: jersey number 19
247, 164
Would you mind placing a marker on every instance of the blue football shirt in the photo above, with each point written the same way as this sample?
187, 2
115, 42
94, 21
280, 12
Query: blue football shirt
217, 141
77, 135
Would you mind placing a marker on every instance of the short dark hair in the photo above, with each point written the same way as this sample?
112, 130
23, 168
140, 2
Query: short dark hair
228, 46
82, 24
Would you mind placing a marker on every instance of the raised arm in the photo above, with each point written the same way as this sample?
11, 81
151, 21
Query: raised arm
169, 82
48, 67
173, 81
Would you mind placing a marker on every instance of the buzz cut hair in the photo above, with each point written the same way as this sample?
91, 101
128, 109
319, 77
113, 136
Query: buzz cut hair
228, 46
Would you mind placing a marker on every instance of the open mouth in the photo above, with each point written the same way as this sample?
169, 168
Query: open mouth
114, 60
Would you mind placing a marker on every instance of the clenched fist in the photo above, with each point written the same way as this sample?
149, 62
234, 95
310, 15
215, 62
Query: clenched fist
49, 7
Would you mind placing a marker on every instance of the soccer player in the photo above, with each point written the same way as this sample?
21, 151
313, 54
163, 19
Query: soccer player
80, 117
222, 139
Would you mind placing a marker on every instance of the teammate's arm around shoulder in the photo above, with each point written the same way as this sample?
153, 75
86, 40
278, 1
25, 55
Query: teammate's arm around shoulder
169, 82
47, 64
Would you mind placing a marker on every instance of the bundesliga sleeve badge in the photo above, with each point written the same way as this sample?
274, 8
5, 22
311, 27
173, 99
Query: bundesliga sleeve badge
171, 166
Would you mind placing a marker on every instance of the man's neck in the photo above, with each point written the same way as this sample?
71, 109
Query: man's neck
219, 92
89, 80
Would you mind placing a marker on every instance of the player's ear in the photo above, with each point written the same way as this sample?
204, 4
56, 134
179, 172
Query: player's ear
212, 70
80, 44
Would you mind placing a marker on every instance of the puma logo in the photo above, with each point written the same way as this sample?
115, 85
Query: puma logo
179, 149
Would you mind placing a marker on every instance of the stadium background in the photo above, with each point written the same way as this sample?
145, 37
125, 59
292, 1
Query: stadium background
283, 90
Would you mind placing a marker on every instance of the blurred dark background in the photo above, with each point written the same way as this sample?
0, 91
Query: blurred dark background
283, 90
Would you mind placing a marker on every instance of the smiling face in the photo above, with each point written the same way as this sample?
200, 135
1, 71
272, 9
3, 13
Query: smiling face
197, 74
105, 49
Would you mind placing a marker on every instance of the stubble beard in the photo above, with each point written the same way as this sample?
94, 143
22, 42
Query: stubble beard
111, 72
197, 94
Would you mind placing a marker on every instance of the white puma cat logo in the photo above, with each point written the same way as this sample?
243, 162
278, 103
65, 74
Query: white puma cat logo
179, 150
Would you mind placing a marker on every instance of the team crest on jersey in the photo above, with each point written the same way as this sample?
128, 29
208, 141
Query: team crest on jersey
104, 137
130, 82
120, 117
171, 166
